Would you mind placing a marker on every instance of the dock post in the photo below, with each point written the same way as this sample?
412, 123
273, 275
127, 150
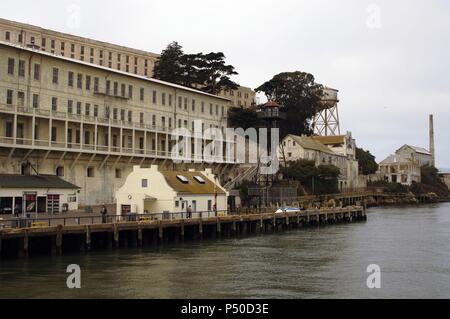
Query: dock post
219, 227
287, 221
161, 233
59, 240
140, 236
23, 251
116, 236
154, 238
261, 224
88, 237
182, 230
200, 230
244, 228
274, 228
176, 235
298, 220
233, 227
0, 245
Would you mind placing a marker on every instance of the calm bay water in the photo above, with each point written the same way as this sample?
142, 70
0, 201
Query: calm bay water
410, 244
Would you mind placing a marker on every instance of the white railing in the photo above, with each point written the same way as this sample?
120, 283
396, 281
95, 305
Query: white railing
88, 119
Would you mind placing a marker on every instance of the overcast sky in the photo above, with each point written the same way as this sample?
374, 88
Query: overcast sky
389, 59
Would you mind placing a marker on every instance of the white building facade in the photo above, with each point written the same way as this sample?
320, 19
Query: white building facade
345, 145
89, 124
37, 194
415, 154
293, 148
154, 191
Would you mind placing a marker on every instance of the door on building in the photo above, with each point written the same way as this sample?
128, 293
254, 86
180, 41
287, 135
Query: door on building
232, 203
194, 206
41, 204
53, 203
30, 200
69, 138
18, 201
19, 133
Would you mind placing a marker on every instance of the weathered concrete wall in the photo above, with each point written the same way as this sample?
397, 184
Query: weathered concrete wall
99, 189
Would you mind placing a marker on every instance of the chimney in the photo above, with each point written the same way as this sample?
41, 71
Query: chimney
432, 151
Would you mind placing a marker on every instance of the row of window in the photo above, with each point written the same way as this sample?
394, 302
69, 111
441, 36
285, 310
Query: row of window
93, 110
83, 51
125, 92
21, 69
238, 93
90, 172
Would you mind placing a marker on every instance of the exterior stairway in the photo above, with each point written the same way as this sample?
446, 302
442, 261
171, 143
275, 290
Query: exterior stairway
248, 174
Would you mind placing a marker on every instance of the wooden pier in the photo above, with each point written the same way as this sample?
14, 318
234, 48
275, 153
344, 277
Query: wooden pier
23, 242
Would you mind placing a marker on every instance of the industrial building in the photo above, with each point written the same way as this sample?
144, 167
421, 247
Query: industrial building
397, 168
415, 154
404, 166
90, 124
104, 54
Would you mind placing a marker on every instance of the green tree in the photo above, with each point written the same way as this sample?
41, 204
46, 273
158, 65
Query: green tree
430, 183
301, 97
243, 118
366, 161
215, 74
322, 179
208, 72
168, 66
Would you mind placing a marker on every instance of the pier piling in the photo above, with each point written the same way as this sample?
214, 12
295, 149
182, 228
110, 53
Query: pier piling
24, 241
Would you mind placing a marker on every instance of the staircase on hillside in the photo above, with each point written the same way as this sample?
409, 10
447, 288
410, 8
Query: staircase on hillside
248, 174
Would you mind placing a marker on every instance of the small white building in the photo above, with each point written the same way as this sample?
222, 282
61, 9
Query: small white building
37, 194
149, 190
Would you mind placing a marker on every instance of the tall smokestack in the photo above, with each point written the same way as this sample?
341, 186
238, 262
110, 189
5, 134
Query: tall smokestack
433, 159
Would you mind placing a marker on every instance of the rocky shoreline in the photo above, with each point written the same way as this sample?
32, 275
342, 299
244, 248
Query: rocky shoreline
405, 199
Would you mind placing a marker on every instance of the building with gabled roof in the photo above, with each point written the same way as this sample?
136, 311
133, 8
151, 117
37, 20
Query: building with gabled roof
89, 124
415, 154
293, 148
151, 190
112, 56
341, 144
344, 145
